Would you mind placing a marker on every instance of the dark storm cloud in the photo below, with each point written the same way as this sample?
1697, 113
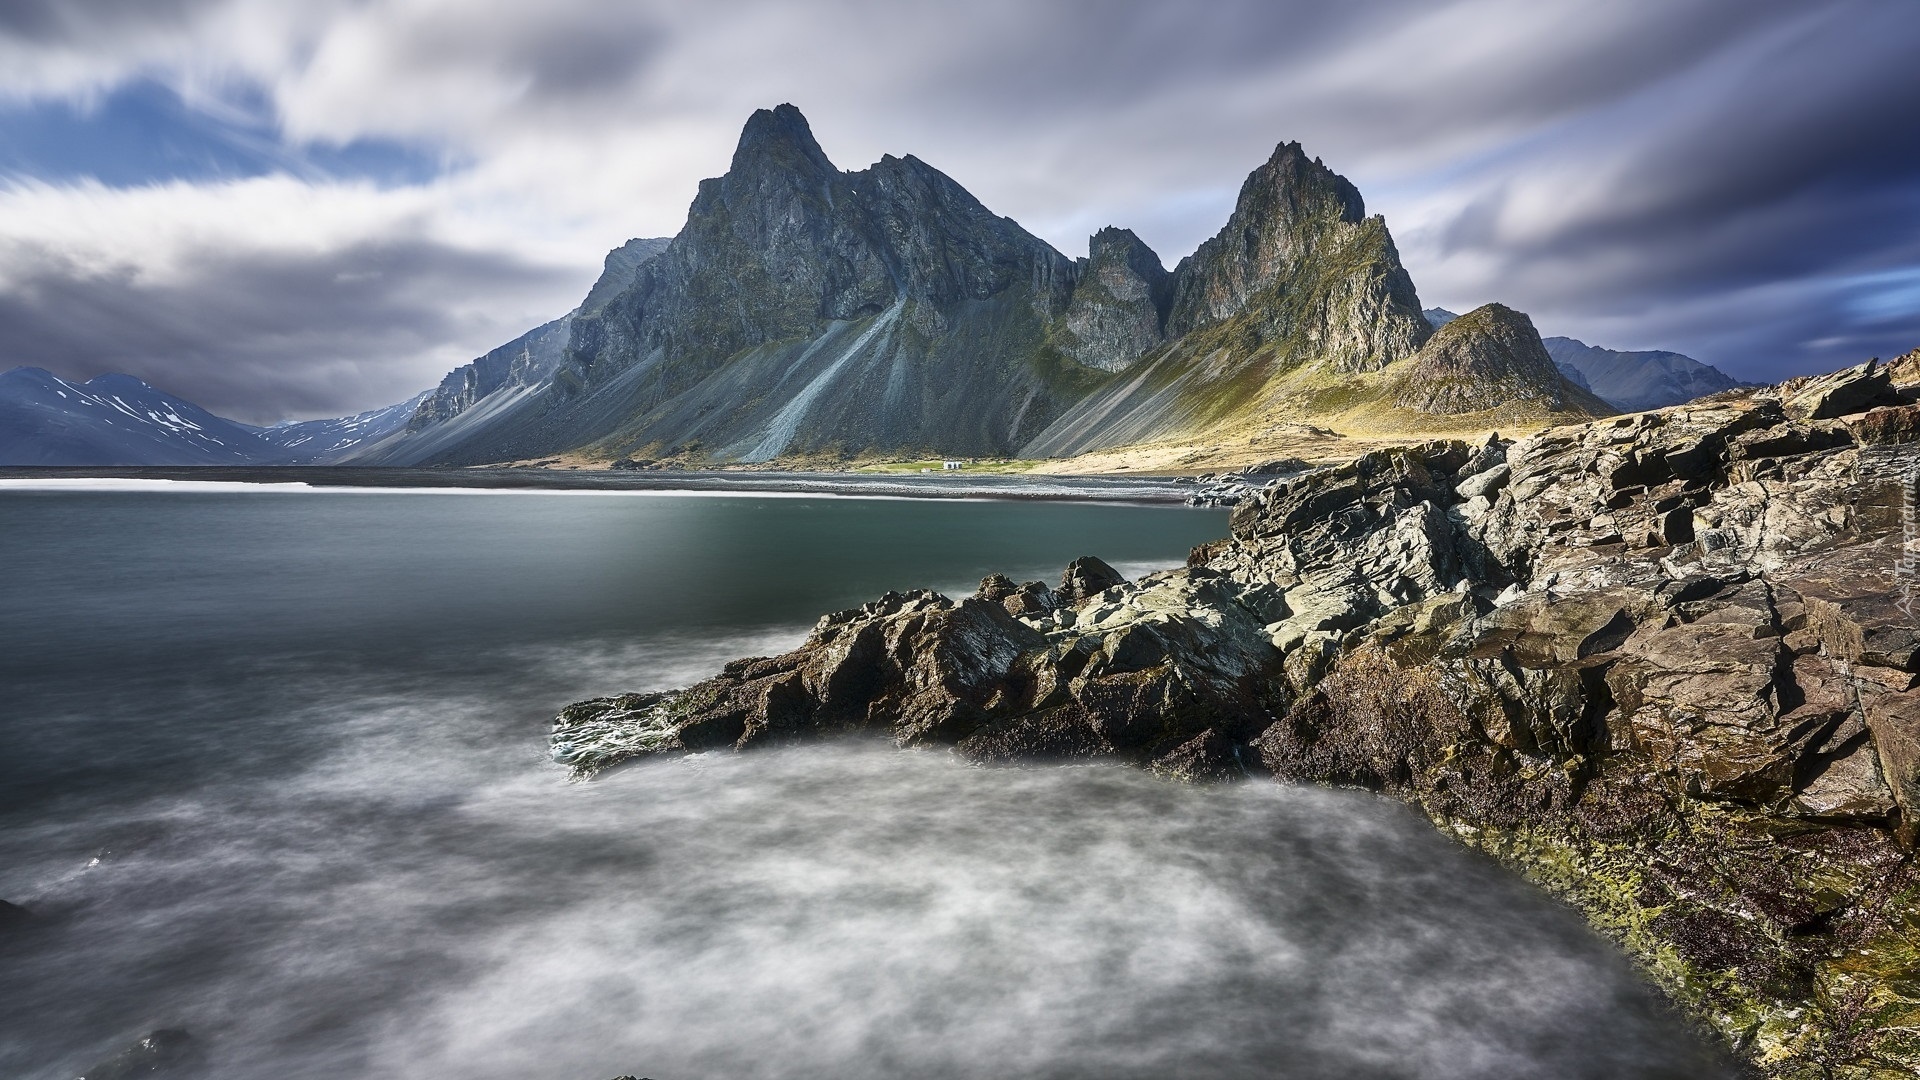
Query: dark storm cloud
65, 20
258, 336
1772, 186
1738, 179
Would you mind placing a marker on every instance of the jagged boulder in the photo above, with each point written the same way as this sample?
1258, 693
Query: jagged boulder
1842, 393
1085, 577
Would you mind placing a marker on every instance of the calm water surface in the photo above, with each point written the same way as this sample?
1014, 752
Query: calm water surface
272, 771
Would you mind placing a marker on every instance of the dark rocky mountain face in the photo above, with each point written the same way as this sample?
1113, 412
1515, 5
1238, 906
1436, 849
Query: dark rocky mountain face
1299, 251
528, 360
808, 310
804, 309
1120, 302
458, 421
1298, 293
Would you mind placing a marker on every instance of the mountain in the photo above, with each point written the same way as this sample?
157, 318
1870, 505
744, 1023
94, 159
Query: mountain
1627, 381
804, 310
114, 420
1490, 358
324, 442
120, 420
1291, 311
1637, 381
474, 399
808, 311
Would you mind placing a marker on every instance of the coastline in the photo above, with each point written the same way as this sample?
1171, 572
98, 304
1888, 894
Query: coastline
1162, 491
1653, 663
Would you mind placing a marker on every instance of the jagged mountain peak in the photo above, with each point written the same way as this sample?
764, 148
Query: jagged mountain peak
1325, 278
1292, 181
782, 138
1123, 245
1118, 311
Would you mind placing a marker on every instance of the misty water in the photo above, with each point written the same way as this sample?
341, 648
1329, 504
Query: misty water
272, 771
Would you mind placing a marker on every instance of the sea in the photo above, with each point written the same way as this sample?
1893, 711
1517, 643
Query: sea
273, 773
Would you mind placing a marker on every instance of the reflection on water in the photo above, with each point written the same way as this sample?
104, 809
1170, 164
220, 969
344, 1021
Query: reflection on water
274, 775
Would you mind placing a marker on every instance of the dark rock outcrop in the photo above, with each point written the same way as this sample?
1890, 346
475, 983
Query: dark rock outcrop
1119, 306
1664, 664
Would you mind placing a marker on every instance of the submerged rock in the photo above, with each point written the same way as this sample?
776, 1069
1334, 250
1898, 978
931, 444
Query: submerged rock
1663, 664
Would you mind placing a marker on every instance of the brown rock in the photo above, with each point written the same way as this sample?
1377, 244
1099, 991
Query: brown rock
1843, 393
1894, 424
1894, 720
1847, 785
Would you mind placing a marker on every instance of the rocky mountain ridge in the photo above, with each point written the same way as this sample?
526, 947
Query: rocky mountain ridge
808, 311
1658, 663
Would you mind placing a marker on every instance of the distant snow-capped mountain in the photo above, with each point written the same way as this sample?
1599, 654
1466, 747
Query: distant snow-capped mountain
120, 420
320, 442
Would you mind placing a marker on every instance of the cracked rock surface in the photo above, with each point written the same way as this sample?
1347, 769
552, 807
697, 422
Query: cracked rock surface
1662, 664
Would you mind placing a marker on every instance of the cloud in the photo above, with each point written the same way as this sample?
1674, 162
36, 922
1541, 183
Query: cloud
1726, 177
261, 298
1740, 210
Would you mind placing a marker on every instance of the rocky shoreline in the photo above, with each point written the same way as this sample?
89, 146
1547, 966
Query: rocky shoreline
1661, 664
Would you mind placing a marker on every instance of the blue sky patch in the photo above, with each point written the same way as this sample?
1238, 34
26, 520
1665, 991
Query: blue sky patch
145, 133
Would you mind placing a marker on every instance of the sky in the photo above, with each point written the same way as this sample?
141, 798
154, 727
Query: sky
290, 210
